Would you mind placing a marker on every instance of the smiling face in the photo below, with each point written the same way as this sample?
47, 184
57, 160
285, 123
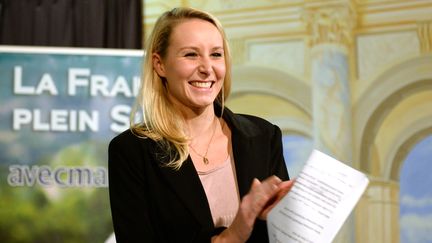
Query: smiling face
194, 65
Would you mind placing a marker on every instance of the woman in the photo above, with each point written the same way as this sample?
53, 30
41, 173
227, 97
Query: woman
193, 171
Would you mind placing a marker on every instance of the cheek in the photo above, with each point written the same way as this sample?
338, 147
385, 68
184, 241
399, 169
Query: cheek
184, 69
220, 70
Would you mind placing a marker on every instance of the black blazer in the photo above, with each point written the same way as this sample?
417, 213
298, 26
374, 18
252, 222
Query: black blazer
154, 203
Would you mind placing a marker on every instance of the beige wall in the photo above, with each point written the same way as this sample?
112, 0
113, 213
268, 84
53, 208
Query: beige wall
388, 47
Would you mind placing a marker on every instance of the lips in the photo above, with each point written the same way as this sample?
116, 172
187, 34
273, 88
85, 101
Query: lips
202, 84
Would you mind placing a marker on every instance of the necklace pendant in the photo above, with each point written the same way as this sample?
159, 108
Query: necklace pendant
205, 160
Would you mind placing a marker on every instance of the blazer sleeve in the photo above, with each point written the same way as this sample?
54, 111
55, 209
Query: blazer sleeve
129, 202
278, 166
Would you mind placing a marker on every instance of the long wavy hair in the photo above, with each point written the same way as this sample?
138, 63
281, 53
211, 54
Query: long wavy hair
160, 121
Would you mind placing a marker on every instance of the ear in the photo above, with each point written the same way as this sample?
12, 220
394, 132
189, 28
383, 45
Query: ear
158, 64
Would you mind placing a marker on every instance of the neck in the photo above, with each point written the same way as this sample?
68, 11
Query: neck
199, 122
201, 125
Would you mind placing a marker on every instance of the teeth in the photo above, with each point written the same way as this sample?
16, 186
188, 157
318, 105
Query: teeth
201, 84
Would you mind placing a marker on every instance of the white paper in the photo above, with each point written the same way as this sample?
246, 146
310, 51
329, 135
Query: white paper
322, 197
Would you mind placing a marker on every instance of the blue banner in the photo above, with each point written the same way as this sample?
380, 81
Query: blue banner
59, 110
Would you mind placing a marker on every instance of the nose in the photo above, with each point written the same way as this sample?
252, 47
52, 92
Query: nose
205, 66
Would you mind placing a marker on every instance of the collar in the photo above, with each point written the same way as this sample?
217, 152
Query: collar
239, 124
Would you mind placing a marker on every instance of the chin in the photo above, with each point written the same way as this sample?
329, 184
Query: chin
203, 104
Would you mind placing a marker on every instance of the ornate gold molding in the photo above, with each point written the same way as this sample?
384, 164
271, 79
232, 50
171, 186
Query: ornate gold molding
424, 32
330, 24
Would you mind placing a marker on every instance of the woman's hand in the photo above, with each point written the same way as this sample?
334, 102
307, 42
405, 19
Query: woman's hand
260, 199
284, 188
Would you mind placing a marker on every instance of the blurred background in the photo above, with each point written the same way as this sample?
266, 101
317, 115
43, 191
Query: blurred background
352, 78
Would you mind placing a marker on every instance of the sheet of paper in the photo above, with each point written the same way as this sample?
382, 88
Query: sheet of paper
324, 194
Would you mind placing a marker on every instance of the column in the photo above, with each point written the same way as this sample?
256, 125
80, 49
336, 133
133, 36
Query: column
377, 212
329, 29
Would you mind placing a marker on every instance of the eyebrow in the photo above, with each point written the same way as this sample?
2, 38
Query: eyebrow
196, 48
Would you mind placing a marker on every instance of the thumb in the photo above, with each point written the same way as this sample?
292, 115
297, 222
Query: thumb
255, 183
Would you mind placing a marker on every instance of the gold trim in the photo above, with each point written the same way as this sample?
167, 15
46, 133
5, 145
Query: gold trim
424, 32
333, 24
287, 35
386, 7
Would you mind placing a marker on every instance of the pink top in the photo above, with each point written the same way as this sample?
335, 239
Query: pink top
220, 186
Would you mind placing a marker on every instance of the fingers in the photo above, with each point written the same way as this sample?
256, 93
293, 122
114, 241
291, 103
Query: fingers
283, 188
255, 184
286, 185
266, 187
253, 204
260, 193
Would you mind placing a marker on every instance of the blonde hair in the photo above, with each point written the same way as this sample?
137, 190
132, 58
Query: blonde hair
161, 122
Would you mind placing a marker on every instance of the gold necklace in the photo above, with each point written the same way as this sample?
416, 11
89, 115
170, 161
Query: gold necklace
205, 159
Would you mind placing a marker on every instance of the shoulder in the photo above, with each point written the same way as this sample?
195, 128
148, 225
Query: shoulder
128, 140
129, 152
250, 125
126, 137
250, 120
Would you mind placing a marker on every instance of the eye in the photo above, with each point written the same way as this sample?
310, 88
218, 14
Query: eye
217, 54
191, 54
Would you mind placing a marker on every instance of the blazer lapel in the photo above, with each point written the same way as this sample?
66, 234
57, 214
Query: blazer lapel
241, 158
242, 133
189, 189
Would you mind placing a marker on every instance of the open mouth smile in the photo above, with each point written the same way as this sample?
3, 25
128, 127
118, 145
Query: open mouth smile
202, 84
